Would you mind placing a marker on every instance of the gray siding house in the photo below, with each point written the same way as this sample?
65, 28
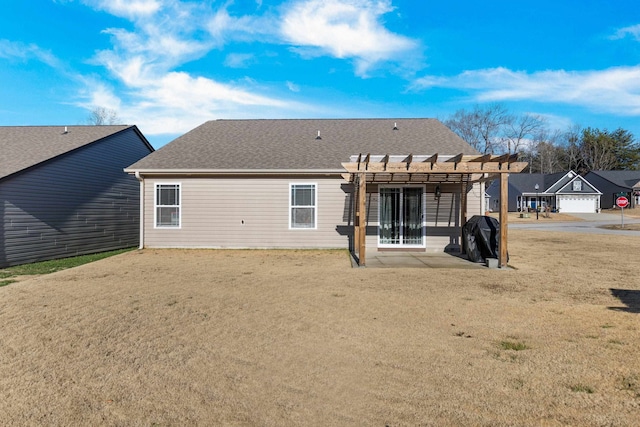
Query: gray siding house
282, 184
616, 183
567, 192
63, 191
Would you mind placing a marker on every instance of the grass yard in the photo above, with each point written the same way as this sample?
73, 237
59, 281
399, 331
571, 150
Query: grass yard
20, 272
273, 338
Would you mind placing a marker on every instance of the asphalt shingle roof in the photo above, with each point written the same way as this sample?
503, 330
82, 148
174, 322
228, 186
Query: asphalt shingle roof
24, 146
526, 183
293, 144
620, 178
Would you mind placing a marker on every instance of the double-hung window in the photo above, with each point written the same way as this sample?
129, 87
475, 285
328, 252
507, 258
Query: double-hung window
167, 206
302, 206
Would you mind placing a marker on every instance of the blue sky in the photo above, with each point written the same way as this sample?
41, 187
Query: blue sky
169, 65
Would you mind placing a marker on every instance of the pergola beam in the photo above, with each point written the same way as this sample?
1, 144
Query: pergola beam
456, 159
408, 160
482, 159
439, 167
431, 160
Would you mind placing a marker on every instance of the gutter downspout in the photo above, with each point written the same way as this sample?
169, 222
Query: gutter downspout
141, 179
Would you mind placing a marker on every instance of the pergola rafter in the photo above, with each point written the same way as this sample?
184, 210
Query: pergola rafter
460, 169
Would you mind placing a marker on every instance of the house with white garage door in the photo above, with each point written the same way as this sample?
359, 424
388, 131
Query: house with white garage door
565, 192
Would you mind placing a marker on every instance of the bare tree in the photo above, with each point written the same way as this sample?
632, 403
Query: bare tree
482, 127
520, 129
571, 142
550, 156
491, 128
103, 116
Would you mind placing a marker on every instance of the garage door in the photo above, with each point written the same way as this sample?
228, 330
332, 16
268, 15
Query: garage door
577, 204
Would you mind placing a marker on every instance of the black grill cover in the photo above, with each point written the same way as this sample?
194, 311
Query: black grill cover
481, 237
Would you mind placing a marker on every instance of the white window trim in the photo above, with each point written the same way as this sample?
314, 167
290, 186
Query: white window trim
315, 206
155, 206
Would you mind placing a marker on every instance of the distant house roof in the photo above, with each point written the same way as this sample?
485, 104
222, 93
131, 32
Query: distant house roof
525, 183
629, 179
298, 144
22, 147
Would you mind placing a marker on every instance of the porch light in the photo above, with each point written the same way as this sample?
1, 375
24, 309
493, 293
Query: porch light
438, 193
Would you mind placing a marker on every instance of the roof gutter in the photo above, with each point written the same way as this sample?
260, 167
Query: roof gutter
141, 172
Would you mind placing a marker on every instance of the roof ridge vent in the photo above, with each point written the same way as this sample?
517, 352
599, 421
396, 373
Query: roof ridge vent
318, 137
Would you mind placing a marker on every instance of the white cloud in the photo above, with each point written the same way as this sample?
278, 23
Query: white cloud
344, 29
614, 90
239, 60
293, 87
177, 102
127, 8
100, 96
224, 27
633, 31
25, 52
148, 82
166, 35
555, 121
180, 90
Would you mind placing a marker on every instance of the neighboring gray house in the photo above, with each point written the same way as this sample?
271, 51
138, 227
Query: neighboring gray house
283, 184
615, 183
63, 191
567, 192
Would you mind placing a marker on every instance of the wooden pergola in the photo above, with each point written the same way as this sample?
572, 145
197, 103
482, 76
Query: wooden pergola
461, 169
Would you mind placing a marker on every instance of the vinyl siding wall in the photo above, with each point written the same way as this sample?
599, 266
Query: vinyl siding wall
246, 213
75, 204
249, 212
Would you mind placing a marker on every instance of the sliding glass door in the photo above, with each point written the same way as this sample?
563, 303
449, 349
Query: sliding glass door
401, 216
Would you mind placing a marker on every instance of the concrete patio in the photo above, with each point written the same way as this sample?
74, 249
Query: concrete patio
384, 259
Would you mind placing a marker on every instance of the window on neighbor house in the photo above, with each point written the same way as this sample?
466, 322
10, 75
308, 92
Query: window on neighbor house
577, 185
167, 206
302, 206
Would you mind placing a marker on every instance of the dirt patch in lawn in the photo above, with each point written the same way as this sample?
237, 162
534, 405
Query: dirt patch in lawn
206, 337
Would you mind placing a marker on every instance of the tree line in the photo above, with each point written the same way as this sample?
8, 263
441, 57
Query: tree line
492, 129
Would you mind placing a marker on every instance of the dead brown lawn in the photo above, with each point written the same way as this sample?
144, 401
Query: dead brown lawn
632, 213
514, 217
198, 337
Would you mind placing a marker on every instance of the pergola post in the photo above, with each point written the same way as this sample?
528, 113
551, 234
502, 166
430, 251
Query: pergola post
463, 211
362, 220
504, 204
356, 214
